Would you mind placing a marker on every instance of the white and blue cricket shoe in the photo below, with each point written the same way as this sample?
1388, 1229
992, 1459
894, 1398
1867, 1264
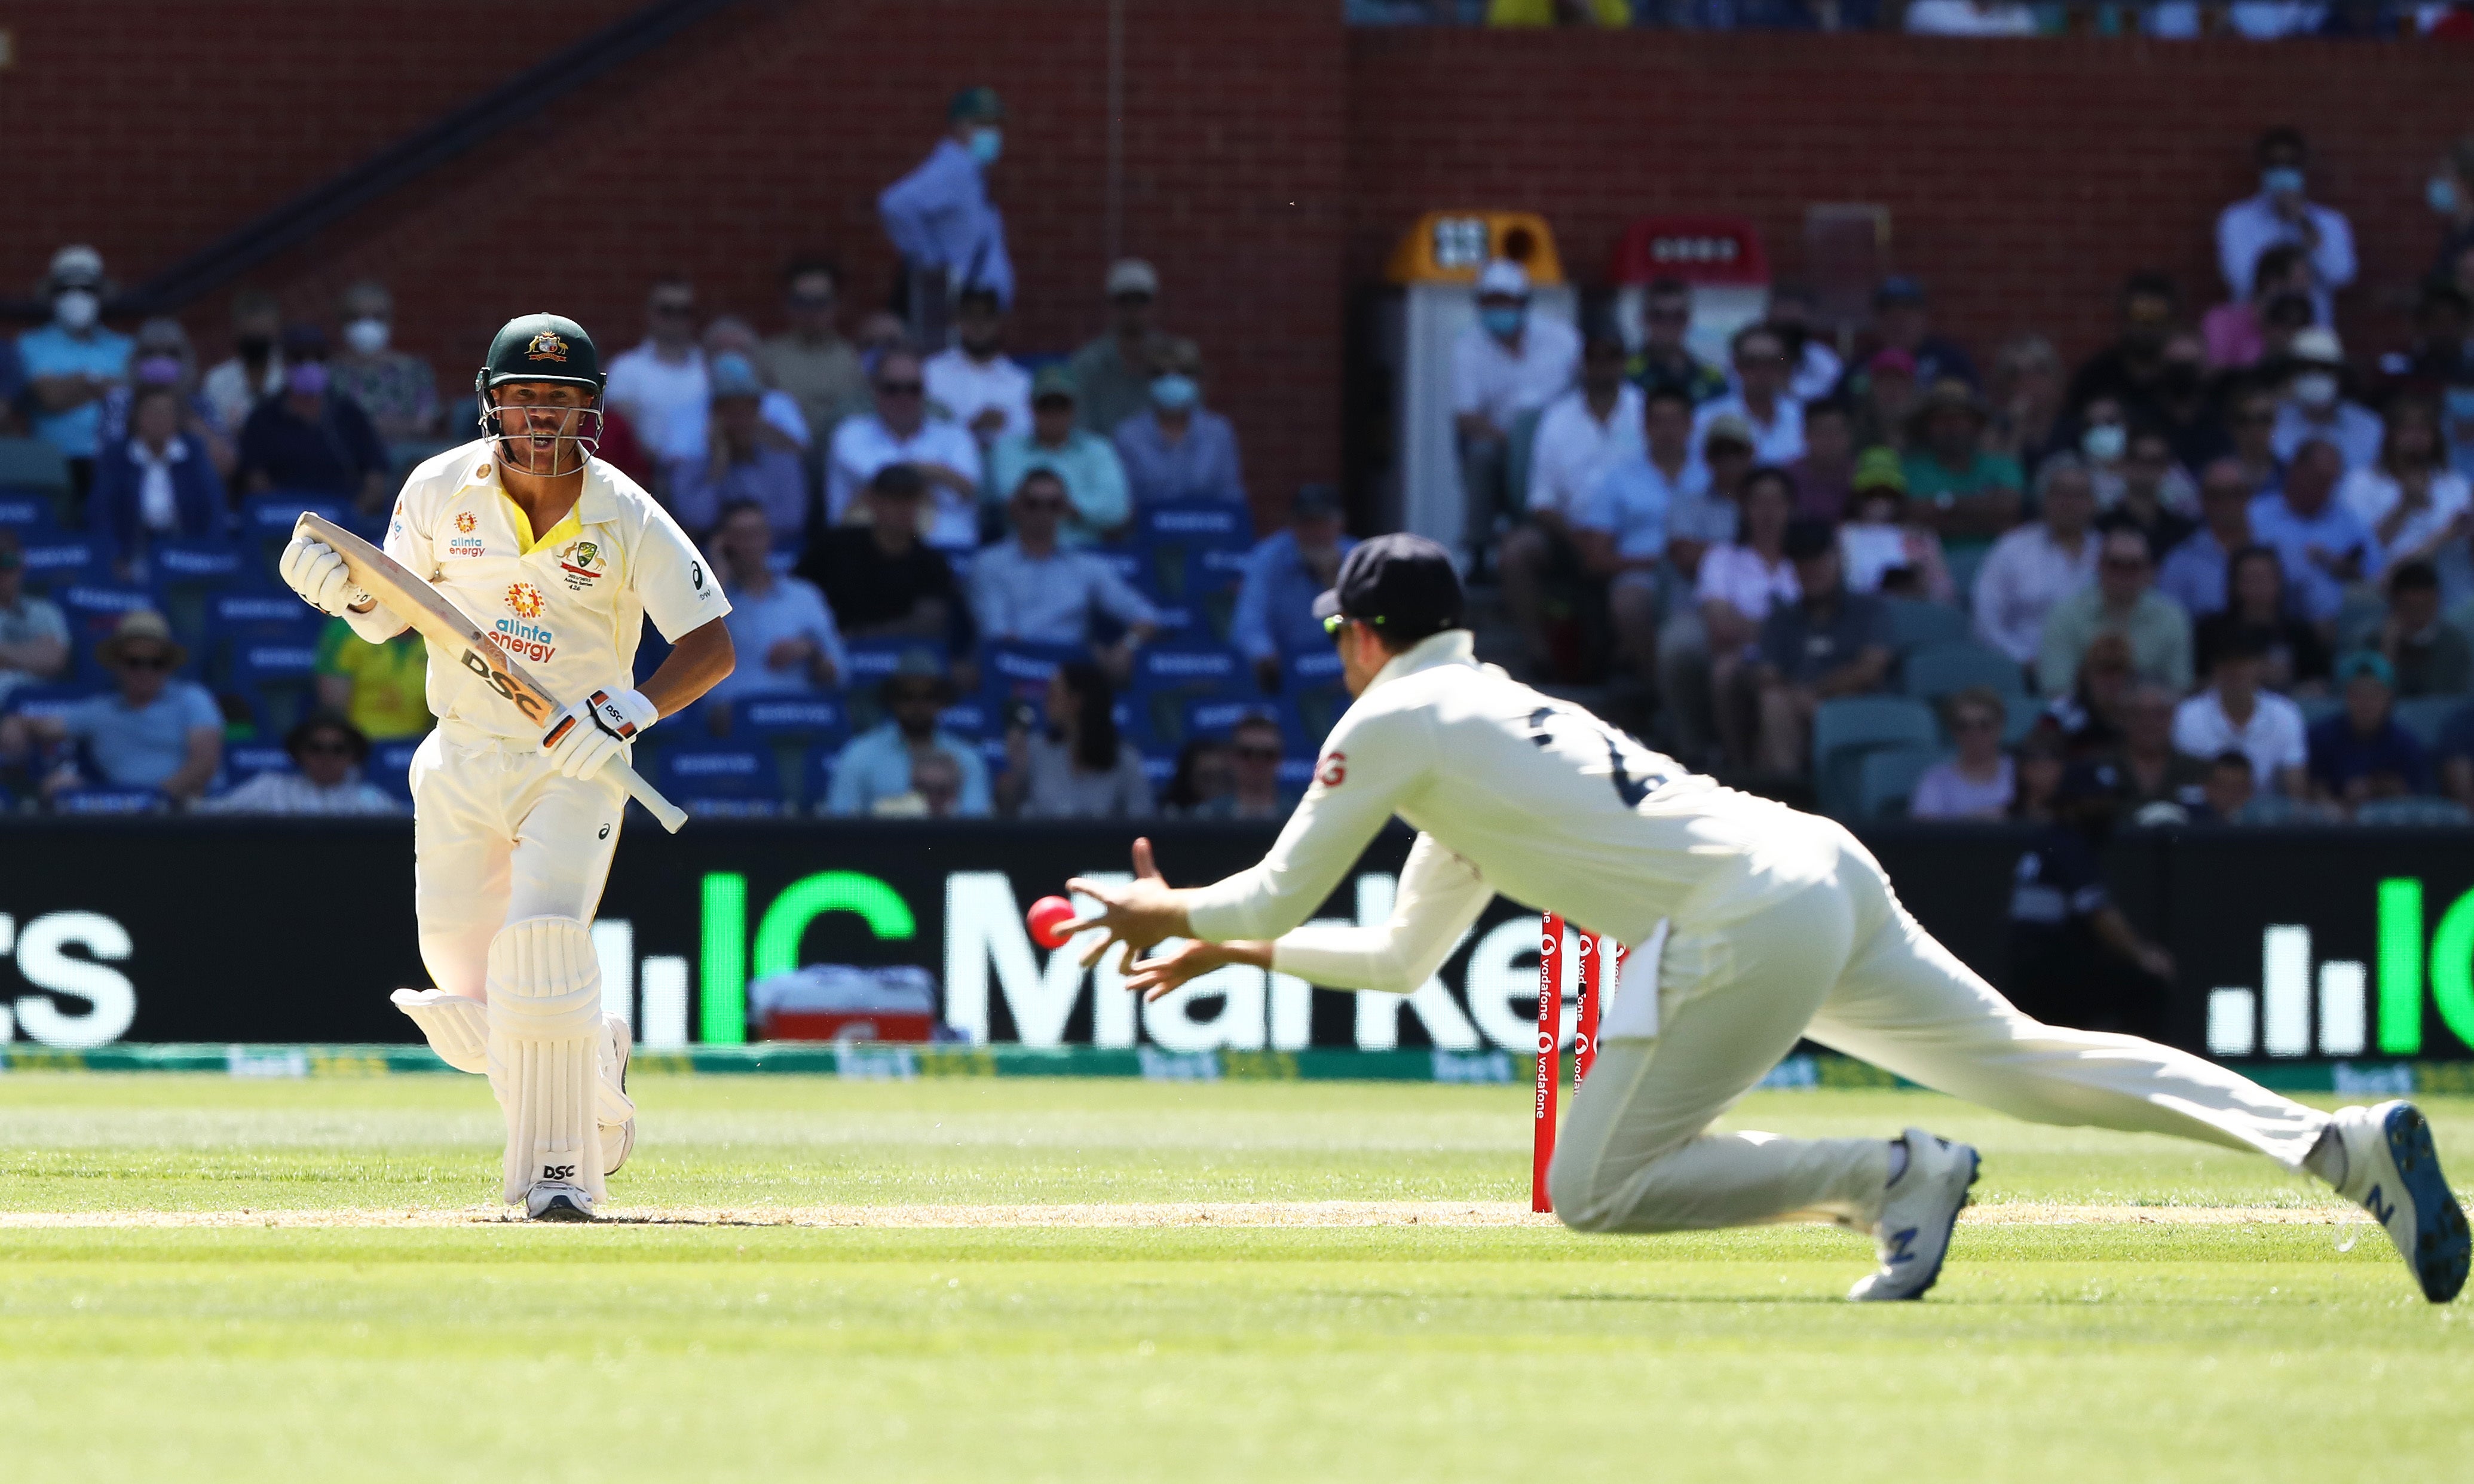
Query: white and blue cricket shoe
2392, 1171
557, 1199
1917, 1214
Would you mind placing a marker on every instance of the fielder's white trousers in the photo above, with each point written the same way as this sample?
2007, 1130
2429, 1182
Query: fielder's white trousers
499, 836
1824, 950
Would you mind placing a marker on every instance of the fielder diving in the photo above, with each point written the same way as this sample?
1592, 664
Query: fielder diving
514, 823
1775, 925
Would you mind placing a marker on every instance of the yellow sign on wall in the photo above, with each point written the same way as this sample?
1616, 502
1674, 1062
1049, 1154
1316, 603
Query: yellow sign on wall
1450, 247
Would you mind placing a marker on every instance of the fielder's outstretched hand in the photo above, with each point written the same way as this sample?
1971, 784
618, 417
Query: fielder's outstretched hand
1137, 913
1189, 960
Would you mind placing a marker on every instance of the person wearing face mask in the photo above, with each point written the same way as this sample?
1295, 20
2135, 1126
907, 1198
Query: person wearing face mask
2234, 329
941, 221
163, 358
310, 440
1114, 370
974, 381
1179, 449
254, 369
1511, 362
398, 390
2282, 213
2315, 405
73, 363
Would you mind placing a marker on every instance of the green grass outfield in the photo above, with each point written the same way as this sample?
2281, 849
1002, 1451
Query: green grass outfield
368, 1314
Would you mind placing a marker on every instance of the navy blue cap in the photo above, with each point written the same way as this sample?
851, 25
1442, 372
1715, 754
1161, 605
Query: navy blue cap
1403, 584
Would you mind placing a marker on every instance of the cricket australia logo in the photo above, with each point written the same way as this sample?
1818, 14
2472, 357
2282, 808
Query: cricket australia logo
581, 564
547, 347
525, 600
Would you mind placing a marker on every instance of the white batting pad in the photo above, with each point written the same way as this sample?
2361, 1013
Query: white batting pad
545, 1052
458, 1028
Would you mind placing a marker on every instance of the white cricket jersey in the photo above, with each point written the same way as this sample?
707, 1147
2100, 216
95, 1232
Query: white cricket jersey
1536, 799
568, 604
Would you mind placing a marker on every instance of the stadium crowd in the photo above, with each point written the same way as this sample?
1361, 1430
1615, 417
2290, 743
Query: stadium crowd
2221, 566
2258, 20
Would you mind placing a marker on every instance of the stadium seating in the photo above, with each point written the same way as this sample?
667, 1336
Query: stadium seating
1935, 670
266, 523
2425, 715
1914, 624
28, 513
187, 575
720, 780
1886, 777
110, 801
32, 466
1168, 675
2413, 813
390, 767
44, 699
55, 561
1846, 728
277, 676
246, 761
795, 728
93, 610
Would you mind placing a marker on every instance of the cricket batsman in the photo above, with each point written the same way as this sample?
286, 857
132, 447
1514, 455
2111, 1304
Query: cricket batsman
1775, 925
564, 556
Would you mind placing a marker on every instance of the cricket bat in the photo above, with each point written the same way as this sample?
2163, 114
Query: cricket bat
435, 618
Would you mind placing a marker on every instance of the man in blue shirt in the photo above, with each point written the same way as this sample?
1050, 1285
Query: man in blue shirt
940, 219
152, 731
875, 765
1284, 573
73, 363
2325, 546
2360, 752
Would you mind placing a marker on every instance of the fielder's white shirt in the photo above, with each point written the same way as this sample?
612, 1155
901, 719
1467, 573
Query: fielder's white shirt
1515, 792
569, 603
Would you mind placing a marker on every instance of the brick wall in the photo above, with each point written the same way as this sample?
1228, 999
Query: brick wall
1271, 158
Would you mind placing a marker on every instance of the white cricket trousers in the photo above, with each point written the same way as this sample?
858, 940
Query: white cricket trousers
1820, 948
499, 836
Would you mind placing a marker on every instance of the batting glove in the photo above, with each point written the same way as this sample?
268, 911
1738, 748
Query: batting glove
316, 571
591, 733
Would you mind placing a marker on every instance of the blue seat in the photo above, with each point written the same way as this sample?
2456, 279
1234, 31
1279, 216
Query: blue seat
390, 766
45, 699
186, 575
816, 777
725, 782
874, 660
266, 523
2413, 813
278, 678
1195, 524
31, 466
31, 515
236, 620
246, 761
1217, 716
1915, 623
793, 718
2426, 715
971, 718
1846, 728
52, 561
1886, 777
1933, 670
1167, 676
1212, 577
1013, 671
1312, 697
109, 801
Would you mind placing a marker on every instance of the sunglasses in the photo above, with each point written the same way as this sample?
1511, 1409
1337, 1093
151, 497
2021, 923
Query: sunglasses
812, 301
146, 663
674, 310
900, 388
1974, 724
1257, 753
1051, 506
2126, 564
336, 749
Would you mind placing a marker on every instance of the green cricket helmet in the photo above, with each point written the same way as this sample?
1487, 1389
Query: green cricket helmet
543, 348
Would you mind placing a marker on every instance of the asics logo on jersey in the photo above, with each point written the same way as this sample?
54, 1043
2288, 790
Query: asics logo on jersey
547, 347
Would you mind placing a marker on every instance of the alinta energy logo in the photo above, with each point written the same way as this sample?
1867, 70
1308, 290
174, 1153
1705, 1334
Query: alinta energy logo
525, 600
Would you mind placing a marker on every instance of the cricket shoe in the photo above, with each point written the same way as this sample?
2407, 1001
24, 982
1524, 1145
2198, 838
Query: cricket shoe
556, 1199
1916, 1213
2392, 1171
615, 1110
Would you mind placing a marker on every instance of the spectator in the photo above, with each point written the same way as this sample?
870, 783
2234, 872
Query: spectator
1180, 449
780, 424
2234, 714
2035, 567
2362, 754
1084, 462
1885, 550
936, 789
974, 381
2234, 332
2105, 438
1970, 18
396, 388
2455, 756
328, 752
163, 358
1903, 322
1775, 417
779, 626
2325, 546
881, 580
1581, 433
1825, 476
1028, 589
1615, 13
2193, 570
2127, 370
742, 463
34, 633
1508, 363
2231, 790
2293, 657
2037, 767
1963, 489
2427, 654
2151, 495
1665, 359
660, 385
2315, 405
884, 763
2183, 405
1620, 524
939, 219
1284, 573
2122, 600
2090, 718
150, 731
2450, 194
1828, 643
1077, 766
2282, 213
1696, 659
1887, 402
2028, 403
900, 430
382, 689
2252, 422
2074, 958
254, 369
156, 482
2410, 497
810, 359
1255, 792
1204, 773
2436, 357
1114, 373
1977, 784
2457, 409
2152, 771
1705, 516
1815, 369
72, 362
311, 440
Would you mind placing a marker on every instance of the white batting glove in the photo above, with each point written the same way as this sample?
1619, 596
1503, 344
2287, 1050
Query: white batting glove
591, 733
316, 571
